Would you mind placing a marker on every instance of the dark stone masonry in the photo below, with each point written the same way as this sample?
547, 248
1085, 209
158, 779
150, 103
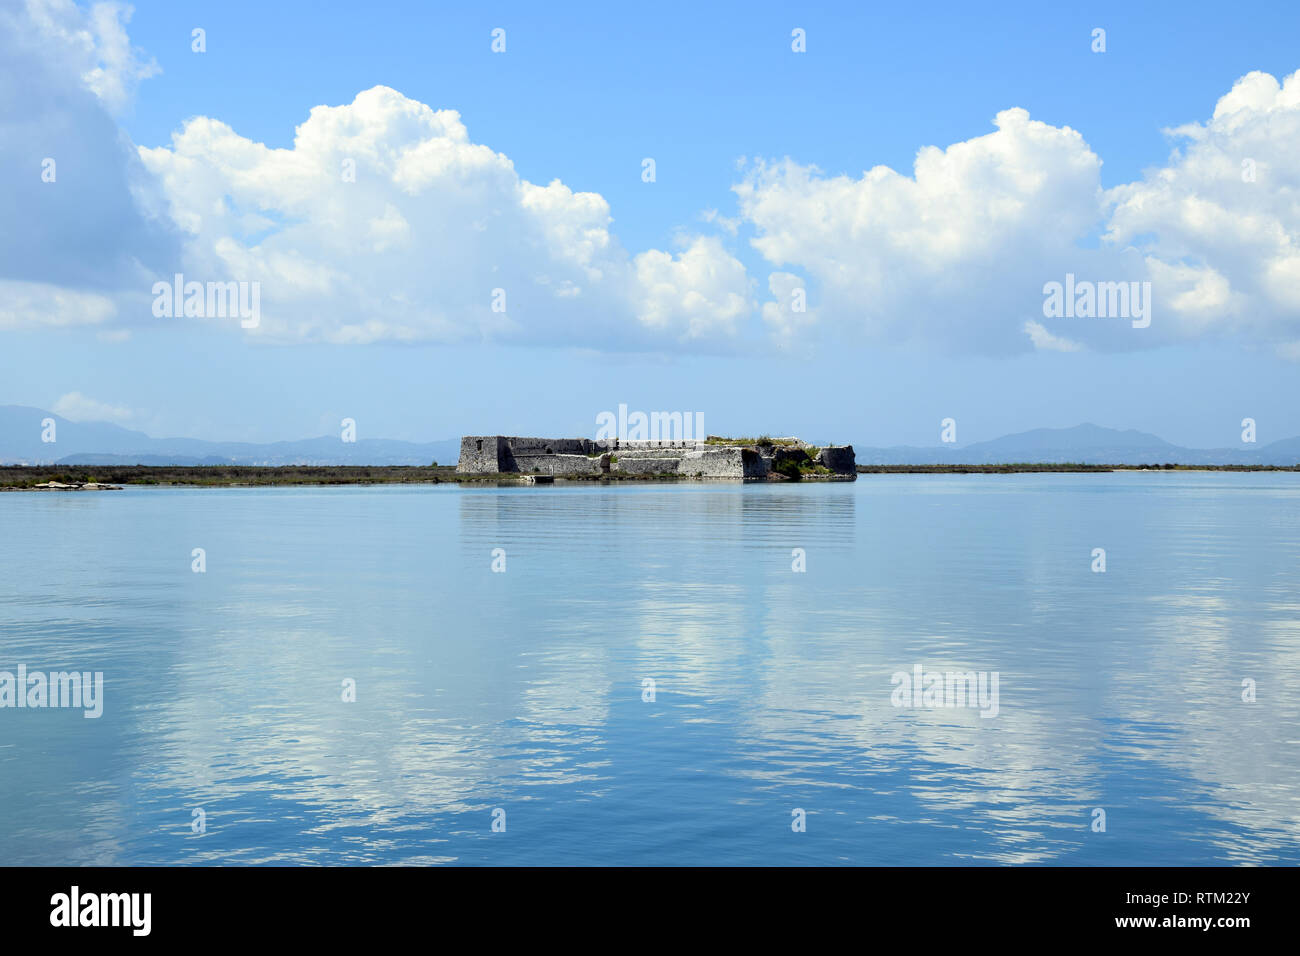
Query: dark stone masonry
782, 459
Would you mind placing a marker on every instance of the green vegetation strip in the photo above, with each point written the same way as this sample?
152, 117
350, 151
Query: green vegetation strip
17, 477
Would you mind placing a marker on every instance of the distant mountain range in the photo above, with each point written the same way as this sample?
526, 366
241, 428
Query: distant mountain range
1085, 444
100, 443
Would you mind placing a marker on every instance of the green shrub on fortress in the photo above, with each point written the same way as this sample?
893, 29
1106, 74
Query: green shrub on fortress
790, 468
766, 441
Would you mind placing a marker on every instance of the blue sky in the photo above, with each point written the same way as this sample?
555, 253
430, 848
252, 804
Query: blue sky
715, 95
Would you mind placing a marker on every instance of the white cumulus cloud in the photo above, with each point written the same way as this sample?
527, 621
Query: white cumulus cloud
957, 254
96, 45
1220, 222
384, 221
76, 235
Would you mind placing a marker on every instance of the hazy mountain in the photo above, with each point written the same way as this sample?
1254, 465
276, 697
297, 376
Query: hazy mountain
1286, 451
1088, 444
100, 443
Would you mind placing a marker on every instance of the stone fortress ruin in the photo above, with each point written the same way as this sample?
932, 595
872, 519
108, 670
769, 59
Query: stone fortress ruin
763, 459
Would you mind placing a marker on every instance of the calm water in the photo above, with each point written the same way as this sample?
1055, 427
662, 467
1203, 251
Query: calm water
523, 690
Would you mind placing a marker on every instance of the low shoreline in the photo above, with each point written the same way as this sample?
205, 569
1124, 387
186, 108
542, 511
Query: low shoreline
1035, 468
27, 477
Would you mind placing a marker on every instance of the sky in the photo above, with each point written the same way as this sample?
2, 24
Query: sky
915, 176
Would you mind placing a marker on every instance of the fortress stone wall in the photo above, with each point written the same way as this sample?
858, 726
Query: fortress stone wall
482, 454
583, 457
